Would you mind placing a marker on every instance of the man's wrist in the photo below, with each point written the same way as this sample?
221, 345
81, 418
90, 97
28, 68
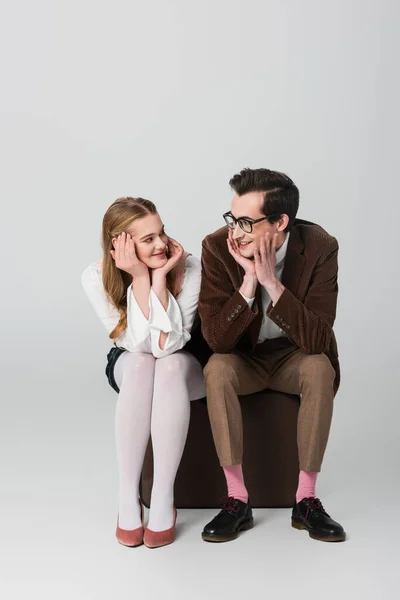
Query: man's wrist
249, 285
275, 290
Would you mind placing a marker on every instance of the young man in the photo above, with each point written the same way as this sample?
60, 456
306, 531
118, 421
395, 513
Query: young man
267, 305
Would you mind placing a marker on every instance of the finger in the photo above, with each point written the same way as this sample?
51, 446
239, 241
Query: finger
174, 246
180, 248
133, 249
263, 250
124, 241
129, 247
268, 241
230, 248
177, 247
121, 247
118, 249
179, 251
235, 245
172, 241
256, 255
171, 248
126, 246
274, 242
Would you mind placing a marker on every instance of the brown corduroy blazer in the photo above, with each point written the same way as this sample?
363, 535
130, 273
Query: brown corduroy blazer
306, 310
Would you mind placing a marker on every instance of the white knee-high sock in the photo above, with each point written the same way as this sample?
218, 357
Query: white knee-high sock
134, 374
178, 379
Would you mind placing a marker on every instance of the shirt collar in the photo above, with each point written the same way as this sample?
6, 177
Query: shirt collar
281, 253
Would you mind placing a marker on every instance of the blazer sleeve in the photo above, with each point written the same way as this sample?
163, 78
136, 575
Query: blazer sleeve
309, 324
225, 314
178, 319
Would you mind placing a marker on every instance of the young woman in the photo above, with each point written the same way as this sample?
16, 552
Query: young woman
145, 291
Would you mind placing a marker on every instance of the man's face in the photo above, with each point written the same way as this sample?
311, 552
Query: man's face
249, 206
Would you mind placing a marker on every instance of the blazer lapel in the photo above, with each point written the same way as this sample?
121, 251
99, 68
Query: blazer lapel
294, 262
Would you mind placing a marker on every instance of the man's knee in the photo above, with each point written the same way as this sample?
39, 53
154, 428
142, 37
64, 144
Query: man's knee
220, 369
317, 369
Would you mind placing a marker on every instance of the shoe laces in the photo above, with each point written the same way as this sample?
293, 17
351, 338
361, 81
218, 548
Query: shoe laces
230, 504
314, 504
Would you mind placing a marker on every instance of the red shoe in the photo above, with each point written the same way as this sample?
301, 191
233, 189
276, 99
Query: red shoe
156, 539
131, 537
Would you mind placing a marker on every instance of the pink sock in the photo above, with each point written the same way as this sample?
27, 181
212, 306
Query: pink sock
306, 487
235, 483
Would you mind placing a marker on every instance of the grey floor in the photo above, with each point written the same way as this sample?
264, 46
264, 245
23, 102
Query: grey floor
58, 514
69, 551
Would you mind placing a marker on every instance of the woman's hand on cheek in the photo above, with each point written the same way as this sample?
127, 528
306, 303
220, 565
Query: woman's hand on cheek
125, 257
175, 252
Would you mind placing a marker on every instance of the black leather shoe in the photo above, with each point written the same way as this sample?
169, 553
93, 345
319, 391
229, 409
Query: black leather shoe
235, 516
309, 514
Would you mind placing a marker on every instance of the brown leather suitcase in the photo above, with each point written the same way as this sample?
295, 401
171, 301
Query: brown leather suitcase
270, 462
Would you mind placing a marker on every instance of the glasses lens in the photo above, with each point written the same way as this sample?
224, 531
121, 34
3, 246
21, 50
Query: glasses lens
245, 225
229, 220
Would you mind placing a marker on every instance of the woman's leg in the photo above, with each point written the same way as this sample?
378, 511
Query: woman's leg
178, 379
134, 374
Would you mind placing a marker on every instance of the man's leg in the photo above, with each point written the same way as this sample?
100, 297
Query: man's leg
226, 377
313, 377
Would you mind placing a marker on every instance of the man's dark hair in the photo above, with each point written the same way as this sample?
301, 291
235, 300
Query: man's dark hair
281, 194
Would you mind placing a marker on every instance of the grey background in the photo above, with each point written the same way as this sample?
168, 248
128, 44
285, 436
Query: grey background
167, 100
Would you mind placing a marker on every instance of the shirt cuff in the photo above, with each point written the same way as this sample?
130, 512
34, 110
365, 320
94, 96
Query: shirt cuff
138, 325
248, 300
165, 320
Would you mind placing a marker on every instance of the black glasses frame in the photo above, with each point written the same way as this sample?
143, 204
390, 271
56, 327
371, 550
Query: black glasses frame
251, 222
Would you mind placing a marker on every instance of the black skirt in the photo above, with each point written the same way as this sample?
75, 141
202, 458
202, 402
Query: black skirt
112, 358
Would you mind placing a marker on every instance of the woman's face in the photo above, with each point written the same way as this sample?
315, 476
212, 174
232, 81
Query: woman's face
150, 240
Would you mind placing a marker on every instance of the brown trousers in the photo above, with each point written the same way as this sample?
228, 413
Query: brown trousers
286, 370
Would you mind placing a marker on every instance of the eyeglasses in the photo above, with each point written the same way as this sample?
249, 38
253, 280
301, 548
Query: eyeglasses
245, 224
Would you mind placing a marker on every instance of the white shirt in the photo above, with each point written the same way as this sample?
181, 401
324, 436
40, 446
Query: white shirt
142, 335
268, 328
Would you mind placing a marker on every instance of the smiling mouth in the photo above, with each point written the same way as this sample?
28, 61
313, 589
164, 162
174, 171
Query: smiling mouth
244, 244
159, 255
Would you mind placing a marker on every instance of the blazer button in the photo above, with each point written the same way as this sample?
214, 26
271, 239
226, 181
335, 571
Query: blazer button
232, 315
236, 310
229, 319
239, 306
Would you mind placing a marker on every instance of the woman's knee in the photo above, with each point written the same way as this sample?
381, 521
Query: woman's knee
133, 364
175, 365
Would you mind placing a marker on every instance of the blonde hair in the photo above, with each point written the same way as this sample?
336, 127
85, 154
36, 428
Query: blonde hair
118, 218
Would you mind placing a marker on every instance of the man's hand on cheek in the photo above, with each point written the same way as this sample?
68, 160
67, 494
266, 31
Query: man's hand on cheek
265, 263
